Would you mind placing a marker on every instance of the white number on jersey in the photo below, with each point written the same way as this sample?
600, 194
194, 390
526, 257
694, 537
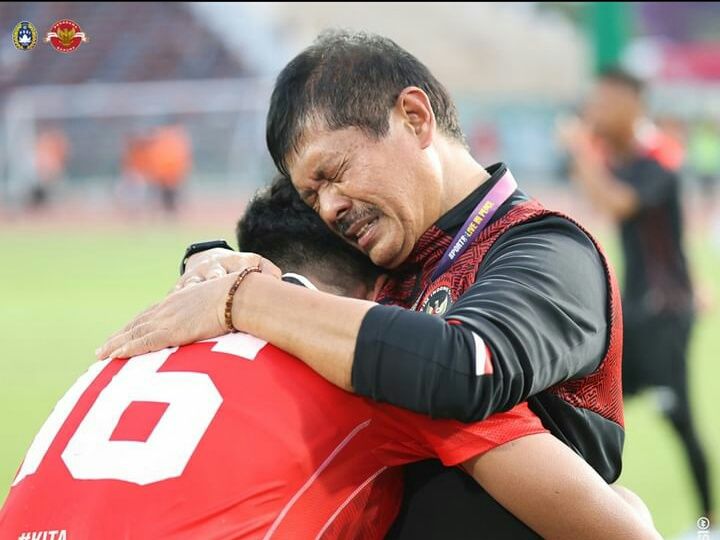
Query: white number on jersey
193, 402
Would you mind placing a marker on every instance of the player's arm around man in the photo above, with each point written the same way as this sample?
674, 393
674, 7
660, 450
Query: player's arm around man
573, 495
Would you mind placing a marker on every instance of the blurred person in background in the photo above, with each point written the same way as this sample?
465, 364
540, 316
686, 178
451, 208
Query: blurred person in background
616, 170
131, 191
51, 154
168, 161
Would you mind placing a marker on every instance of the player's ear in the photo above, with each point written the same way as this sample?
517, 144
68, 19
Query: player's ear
374, 291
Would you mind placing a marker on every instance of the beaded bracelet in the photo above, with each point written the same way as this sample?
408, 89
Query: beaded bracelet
231, 295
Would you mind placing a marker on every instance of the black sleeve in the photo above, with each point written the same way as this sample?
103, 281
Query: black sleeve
539, 305
442, 503
651, 181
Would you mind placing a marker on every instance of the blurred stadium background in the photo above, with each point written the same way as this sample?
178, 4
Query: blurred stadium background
151, 135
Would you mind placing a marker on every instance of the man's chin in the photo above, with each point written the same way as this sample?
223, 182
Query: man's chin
385, 257
377, 256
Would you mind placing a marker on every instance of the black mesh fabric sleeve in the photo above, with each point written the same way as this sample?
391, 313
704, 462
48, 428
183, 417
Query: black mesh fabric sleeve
538, 308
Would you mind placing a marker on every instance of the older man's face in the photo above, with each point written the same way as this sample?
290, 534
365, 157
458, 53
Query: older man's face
379, 195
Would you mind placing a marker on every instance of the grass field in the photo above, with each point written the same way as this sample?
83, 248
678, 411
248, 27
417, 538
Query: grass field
63, 292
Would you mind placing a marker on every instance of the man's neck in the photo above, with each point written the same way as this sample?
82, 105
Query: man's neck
622, 150
462, 175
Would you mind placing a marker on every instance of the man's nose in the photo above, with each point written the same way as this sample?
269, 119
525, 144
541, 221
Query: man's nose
333, 206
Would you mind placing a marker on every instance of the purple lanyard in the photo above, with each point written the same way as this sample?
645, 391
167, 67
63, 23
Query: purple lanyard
478, 220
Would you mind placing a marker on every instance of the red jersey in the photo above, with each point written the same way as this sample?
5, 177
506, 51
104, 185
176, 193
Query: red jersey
230, 438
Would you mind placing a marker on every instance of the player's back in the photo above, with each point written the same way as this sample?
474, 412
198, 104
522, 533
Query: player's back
230, 438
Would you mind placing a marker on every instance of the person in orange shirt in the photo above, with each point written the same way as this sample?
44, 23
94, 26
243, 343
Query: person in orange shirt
51, 153
168, 162
131, 190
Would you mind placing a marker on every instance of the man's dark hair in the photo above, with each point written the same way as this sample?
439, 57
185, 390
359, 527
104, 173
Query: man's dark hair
349, 80
278, 225
624, 78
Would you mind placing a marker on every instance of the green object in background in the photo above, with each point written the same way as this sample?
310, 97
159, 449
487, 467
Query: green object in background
704, 149
609, 26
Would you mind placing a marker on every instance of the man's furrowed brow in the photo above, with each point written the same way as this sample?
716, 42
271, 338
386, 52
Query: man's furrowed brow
321, 171
327, 166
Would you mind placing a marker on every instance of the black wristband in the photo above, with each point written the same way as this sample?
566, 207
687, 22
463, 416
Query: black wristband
199, 248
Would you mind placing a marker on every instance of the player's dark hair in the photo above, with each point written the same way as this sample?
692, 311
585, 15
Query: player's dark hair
278, 225
349, 80
624, 78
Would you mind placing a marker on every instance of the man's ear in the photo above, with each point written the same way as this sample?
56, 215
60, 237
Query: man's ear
413, 107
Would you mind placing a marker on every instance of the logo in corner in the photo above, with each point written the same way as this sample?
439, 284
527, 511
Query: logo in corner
24, 36
65, 36
437, 302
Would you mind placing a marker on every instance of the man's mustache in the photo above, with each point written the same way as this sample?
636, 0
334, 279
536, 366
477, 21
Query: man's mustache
343, 224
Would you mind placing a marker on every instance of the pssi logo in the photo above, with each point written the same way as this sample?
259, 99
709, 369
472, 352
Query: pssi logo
24, 36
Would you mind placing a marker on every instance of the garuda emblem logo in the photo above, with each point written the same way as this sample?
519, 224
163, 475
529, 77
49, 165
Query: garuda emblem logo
65, 36
438, 302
